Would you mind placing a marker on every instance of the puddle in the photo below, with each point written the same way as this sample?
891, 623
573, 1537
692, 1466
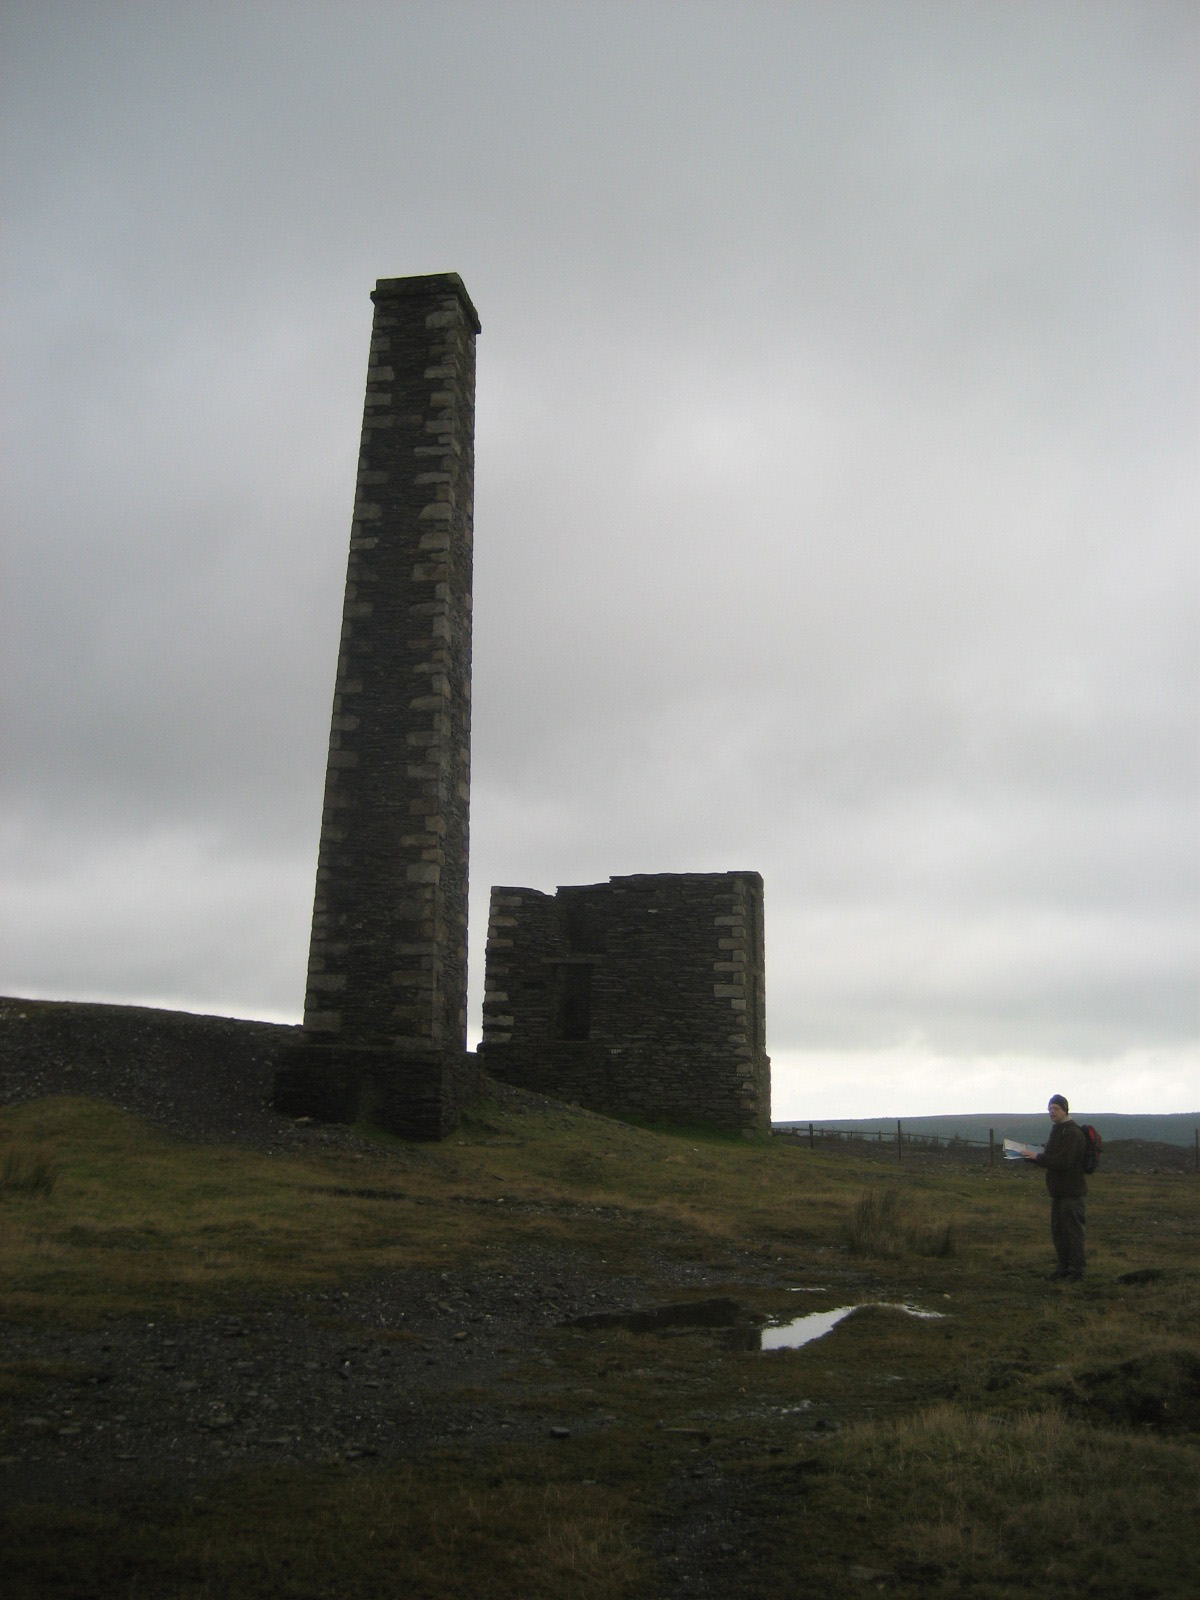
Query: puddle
739, 1325
803, 1330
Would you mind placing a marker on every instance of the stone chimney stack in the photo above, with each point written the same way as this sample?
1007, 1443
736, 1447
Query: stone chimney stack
385, 1006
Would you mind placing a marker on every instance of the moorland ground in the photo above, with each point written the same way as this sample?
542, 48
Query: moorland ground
243, 1357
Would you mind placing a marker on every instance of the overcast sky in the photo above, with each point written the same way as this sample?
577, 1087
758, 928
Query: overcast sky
836, 508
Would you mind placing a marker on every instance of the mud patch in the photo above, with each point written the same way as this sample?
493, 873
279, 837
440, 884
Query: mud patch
717, 1313
1160, 1390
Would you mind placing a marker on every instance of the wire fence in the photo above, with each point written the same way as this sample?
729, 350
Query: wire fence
914, 1143
899, 1141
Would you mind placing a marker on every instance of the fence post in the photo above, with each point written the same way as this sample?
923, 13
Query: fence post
1197, 1133
811, 1145
991, 1147
899, 1143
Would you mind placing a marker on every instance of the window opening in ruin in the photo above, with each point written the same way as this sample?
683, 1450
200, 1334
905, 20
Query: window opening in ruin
573, 1008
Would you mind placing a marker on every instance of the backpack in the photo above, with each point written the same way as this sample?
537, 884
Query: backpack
1091, 1147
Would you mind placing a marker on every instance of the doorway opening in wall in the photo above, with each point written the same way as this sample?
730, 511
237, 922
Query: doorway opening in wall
573, 1001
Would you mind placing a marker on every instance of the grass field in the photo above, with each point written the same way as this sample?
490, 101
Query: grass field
1029, 1438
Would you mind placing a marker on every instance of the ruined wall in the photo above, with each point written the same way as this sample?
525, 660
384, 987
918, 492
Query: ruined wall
643, 996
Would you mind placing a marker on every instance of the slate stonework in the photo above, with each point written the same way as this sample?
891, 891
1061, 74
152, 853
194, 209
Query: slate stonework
385, 1012
643, 996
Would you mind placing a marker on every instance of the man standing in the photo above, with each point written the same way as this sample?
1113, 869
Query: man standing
1063, 1161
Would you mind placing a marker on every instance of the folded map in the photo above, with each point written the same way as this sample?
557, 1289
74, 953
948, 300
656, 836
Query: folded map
1014, 1151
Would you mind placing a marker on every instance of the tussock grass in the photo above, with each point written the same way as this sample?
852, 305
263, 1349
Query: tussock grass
22, 1174
1032, 1502
881, 1225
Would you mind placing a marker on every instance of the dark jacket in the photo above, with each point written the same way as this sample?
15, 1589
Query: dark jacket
1063, 1161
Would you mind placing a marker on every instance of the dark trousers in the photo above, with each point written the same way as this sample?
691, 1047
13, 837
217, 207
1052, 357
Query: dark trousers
1068, 1229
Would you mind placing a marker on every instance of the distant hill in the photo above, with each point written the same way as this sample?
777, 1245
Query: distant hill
1176, 1128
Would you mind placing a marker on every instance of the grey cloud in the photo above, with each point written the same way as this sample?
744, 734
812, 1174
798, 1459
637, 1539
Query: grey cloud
836, 484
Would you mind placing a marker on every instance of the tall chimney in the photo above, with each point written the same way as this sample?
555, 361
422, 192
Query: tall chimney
385, 1006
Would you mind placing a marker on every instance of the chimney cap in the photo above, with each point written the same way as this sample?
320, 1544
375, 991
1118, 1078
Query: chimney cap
432, 285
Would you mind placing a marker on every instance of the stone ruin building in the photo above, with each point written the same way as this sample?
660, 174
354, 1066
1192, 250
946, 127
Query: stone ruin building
641, 996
